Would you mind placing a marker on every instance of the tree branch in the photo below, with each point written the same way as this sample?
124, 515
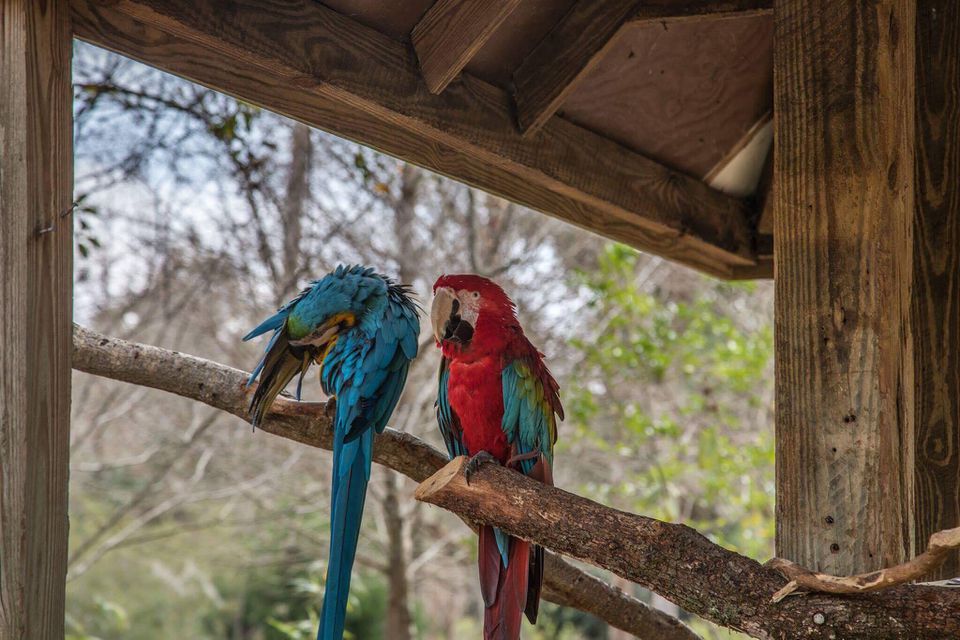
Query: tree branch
683, 566
224, 388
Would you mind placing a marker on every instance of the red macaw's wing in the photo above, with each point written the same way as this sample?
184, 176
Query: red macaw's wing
531, 406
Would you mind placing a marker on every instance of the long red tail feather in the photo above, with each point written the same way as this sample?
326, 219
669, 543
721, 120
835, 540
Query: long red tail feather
502, 616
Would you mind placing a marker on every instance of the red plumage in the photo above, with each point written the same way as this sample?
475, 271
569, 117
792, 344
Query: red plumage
475, 394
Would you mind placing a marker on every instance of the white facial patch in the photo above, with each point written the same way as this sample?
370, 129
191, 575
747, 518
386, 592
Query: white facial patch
469, 306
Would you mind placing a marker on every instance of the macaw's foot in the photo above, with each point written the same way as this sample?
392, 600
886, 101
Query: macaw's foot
473, 464
330, 409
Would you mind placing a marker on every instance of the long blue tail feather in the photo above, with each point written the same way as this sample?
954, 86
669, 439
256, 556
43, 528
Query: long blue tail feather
351, 474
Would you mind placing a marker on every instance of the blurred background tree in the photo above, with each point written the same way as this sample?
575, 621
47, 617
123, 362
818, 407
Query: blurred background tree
199, 214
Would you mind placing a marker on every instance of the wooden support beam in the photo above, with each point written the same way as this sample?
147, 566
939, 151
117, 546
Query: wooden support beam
867, 234
313, 64
451, 33
565, 56
572, 48
36, 245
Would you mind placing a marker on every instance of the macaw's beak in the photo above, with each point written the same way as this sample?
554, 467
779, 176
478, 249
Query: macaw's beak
448, 325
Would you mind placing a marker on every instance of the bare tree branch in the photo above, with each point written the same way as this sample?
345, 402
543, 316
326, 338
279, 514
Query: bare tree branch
225, 388
939, 548
684, 566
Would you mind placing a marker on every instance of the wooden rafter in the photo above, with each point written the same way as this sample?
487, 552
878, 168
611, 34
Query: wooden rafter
313, 64
566, 55
451, 33
671, 11
586, 33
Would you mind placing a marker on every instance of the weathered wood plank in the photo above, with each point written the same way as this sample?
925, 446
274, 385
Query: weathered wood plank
313, 64
36, 183
451, 32
935, 298
564, 57
868, 287
843, 165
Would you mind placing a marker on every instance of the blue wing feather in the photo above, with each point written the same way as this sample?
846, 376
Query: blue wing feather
529, 415
449, 423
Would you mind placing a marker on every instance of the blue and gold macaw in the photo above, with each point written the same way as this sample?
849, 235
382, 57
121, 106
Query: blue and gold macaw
362, 329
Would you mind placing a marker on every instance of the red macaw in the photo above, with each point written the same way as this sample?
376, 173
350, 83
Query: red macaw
496, 401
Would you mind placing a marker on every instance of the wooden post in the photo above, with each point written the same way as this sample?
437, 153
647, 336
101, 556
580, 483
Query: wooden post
36, 183
867, 233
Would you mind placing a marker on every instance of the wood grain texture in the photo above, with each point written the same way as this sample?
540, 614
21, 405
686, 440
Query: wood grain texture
866, 234
311, 63
545, 78
843, 167
683, 95
36, 183
684, 566
668, 12
935, 299
452, 32
224, 388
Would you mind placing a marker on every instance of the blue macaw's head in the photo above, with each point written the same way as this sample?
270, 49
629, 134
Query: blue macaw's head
335, 304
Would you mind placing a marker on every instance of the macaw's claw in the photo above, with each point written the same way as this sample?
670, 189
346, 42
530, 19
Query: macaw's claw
330, 408
514, 461
473, 464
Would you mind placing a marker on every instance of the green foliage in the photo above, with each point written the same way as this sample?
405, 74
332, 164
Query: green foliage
675, 394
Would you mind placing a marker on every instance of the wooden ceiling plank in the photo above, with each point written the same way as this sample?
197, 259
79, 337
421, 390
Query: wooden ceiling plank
566, 55
451, 33
672, 11
311, 63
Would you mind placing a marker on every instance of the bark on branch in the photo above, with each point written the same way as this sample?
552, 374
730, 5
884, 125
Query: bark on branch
683, 566
224, 388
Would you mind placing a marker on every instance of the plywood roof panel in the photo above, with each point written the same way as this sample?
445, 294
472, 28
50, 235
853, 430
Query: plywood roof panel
395, 18
515, 39
682, 94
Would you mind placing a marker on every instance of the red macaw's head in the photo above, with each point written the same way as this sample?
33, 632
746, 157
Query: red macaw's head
470, 312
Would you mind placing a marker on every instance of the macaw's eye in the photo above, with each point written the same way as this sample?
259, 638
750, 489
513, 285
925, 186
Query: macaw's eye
476, 295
